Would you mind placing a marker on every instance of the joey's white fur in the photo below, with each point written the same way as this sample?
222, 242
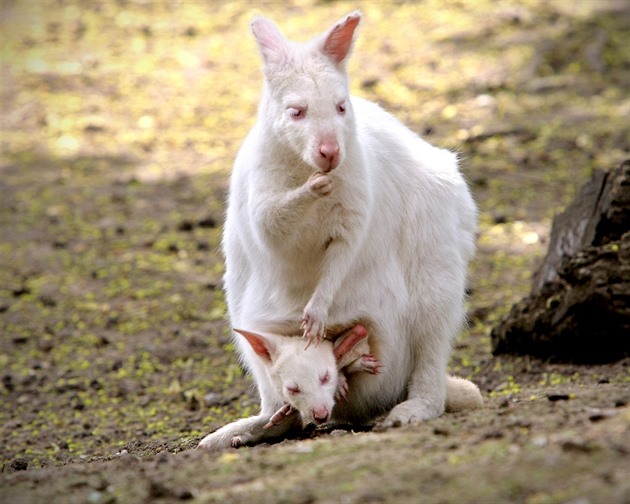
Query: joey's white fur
321, 374
338, 212
311, 391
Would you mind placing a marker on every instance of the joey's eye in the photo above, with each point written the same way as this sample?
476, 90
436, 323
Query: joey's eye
293, 389
296, 112
325, 378
341, 107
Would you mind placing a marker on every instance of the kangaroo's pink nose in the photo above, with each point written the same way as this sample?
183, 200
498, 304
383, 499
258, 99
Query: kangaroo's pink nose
321, 414
329, 155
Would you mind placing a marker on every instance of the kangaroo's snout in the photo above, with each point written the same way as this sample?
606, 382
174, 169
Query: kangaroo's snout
328, 155
321, 414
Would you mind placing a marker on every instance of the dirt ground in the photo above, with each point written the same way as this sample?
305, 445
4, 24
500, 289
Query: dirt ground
120, 121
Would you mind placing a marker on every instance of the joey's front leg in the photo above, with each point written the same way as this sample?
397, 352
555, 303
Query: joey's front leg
246, 431
342, 387
279, 416
255, 428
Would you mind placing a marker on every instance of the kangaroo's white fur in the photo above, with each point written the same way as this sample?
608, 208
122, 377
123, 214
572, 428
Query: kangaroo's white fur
338, 212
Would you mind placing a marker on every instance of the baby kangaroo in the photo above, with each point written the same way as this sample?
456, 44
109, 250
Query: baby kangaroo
308, 380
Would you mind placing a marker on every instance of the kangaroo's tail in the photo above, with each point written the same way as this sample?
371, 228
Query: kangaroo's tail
462, 394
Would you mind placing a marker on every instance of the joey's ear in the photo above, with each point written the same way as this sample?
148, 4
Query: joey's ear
272, 44
347, 341
338, 41
264, 347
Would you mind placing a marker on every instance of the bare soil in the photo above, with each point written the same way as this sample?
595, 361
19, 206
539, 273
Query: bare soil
119, 124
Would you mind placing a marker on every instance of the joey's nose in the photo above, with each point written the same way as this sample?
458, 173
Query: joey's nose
329, 155
321, 414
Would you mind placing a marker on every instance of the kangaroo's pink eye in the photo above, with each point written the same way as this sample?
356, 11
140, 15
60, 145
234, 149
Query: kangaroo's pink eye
341, 107
297, 112
293, 389
325, 378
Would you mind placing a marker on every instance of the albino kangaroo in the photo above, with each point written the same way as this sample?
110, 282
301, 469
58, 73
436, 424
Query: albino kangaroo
337, 212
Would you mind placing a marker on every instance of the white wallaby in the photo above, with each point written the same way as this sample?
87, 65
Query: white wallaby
338, 213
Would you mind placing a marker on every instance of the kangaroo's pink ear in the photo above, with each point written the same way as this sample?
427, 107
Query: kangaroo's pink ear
338, 41
264, 347
346, 342
273, 46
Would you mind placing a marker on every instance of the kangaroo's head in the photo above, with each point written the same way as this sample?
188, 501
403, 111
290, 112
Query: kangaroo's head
306, 379
306, 106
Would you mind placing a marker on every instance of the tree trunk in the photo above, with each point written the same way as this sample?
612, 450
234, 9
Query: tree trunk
579, 307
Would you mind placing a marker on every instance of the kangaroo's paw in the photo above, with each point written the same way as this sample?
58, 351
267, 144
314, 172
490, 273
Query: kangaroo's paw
314, 324
320, 184
412, 411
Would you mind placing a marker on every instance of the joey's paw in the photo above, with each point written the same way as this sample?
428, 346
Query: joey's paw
342, 388
237, 442
320, 184
279, 416
370, 364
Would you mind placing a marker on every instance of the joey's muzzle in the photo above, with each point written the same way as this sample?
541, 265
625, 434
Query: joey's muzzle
321, 415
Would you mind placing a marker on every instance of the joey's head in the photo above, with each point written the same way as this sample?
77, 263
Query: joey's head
304, 378
306, 104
